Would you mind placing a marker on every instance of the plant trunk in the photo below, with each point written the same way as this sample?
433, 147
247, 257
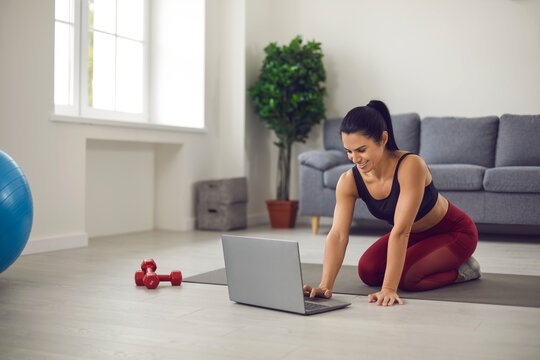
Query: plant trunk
284, 172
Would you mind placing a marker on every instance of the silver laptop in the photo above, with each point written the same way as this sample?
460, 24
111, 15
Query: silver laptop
267, 273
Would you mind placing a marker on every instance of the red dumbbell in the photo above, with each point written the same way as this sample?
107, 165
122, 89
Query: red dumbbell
151, 280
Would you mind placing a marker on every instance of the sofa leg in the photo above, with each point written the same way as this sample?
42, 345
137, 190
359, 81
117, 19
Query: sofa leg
315, 224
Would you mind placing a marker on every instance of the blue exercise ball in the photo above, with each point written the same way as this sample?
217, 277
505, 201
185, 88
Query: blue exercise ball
16, 211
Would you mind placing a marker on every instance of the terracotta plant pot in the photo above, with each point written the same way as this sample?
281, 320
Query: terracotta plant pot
282, 213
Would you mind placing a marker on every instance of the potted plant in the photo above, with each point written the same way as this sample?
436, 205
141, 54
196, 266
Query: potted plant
288, 97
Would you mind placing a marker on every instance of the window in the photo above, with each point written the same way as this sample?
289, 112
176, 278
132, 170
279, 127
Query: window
64, 52
101, 59
102, 70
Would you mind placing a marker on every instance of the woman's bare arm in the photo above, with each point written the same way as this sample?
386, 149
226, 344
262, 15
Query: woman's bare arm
338, 238
411, 179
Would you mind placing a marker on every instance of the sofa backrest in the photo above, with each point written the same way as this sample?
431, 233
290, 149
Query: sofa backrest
331, 136
451, 140
406, 130
517, 142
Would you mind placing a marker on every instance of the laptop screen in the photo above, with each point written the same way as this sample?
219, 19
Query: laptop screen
264, 272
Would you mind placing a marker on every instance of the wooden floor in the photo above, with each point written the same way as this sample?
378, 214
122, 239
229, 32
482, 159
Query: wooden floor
83, 304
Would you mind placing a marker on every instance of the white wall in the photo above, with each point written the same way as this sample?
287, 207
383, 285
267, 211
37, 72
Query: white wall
53, 154
226, 58
119, 187
433, 57
171, 192
261, 29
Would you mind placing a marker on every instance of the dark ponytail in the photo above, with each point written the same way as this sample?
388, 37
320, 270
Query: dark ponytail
383, 110
370, 120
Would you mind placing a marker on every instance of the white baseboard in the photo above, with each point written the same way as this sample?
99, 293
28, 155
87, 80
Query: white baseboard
258, 219
35, 246
189, 224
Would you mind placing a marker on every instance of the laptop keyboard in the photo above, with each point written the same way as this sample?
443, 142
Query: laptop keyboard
311, 306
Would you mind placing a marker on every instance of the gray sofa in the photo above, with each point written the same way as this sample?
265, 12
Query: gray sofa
488, 166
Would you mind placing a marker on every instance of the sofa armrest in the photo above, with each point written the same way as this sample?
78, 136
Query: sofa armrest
323, 159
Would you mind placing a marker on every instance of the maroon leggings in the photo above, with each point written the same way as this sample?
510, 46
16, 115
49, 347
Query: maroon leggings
433, 256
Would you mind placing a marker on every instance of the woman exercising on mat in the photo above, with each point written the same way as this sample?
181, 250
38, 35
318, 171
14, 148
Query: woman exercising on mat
431, 241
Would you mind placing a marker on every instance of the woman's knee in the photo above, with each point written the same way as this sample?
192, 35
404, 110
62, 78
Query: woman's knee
408, 285
372, 264
464, 246
369, 271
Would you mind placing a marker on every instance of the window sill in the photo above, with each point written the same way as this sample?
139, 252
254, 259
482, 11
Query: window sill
125, 124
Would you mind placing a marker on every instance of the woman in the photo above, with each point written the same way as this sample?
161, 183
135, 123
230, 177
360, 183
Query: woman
431, 241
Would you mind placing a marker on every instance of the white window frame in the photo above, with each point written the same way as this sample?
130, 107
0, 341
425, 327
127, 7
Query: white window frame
73, 109
80, 108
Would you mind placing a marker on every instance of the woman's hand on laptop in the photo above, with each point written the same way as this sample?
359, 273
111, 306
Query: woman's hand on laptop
321, 292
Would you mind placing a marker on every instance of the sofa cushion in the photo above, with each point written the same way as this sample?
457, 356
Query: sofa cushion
517, 143
457, 176
322, 160
512, 208
406, 131
331, 176
449, 140
513, 179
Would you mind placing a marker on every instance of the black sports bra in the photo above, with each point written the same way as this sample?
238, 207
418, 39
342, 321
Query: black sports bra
385, 209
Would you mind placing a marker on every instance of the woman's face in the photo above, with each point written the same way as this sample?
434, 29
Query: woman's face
364, 151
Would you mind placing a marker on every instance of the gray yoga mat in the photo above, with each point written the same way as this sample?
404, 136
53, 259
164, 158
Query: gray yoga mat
497, 289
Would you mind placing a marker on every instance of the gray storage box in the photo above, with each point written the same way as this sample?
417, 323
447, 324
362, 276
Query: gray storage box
221, 204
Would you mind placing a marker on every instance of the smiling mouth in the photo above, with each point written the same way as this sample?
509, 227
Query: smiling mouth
363, 164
